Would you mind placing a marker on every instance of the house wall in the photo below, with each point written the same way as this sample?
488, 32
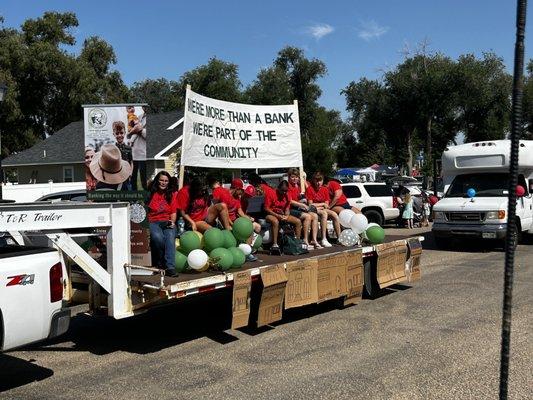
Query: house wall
44, 173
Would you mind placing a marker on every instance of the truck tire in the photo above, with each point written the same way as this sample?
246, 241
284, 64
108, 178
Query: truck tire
371, 284
443, 243
374, 216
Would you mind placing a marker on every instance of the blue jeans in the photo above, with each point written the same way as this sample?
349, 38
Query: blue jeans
163, 245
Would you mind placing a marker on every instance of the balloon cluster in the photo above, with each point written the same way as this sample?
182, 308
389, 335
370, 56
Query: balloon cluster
216, 247
358, 227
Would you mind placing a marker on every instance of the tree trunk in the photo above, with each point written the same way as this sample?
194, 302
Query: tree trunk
428, 155
410, 151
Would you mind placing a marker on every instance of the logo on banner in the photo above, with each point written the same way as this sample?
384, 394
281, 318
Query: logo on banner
97, 118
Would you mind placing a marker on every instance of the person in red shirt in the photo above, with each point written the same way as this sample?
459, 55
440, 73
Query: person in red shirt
162, 205
277, 204
318, 197
194, 205
259, 184
300, 209
339, 201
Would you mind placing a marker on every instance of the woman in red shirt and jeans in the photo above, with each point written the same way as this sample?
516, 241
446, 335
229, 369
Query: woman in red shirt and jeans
162, 207
277, 204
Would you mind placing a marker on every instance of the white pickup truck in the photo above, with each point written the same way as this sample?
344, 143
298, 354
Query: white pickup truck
31, 294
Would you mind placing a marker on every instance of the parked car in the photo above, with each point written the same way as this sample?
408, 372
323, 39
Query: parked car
72, 195
374, 199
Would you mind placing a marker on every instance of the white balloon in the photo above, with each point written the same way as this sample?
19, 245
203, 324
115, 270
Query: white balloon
348, 237
245, 248
358, 223
345, 216
197, 259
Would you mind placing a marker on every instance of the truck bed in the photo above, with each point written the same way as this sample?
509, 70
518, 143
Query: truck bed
193, 282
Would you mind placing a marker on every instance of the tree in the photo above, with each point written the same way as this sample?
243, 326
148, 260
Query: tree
484, 101
528, 102
46, 84
294, 77
160, 94
217, 79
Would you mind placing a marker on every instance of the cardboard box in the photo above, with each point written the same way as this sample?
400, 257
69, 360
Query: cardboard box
331, 279
274, 280
301, 286
242, 284
354, 276
391, 263
413, 264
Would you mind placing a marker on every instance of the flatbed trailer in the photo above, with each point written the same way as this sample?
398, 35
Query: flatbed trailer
120, 289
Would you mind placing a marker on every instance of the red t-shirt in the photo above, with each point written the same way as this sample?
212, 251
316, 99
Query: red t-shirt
223, 195
265, 188
333, 186
277, 202
294, 192
182, 198
159, 209
197, 209
317, 196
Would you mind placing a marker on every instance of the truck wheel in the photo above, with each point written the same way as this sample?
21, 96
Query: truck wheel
371, 282
374, 216
442, 243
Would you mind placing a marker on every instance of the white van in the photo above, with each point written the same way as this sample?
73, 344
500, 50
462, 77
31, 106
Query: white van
484, 167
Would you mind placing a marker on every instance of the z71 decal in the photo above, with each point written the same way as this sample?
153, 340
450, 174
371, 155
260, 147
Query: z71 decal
23, 279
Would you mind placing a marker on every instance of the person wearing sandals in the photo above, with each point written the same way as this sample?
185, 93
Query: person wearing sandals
301, 210
318, 196
277, 205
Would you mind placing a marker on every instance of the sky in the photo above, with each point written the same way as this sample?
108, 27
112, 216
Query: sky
355, 39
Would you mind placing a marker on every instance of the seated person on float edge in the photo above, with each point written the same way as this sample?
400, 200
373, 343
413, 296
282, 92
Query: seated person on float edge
194, 206
338, 200
300, 209
318, 196
277, 204
162, 205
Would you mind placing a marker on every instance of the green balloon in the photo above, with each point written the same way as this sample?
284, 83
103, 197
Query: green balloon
222, 257
375, 234
213, 239
258, 242
238, 257
229, 239
242, 228
181, 261
189, 241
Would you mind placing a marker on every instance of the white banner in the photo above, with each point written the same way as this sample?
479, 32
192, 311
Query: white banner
220, 134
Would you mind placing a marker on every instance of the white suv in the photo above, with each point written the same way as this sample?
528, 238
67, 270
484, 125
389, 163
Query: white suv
374, 199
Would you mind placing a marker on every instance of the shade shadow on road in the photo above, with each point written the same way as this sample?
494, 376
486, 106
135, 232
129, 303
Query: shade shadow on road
15, 372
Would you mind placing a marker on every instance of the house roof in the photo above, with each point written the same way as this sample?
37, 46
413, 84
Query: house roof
66, 145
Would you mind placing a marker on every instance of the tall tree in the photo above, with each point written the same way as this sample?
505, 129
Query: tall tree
528, 101
217, 79
485, 90
46, 84
160, 94
294, 77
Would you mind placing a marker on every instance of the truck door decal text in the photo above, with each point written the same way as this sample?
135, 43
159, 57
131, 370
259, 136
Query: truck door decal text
24, 279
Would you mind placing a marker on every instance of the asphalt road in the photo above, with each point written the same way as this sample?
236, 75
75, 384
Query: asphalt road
436, 339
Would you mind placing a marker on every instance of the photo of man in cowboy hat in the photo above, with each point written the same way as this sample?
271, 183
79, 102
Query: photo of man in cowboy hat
108, 167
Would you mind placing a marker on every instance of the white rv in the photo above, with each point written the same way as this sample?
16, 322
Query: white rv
483, 167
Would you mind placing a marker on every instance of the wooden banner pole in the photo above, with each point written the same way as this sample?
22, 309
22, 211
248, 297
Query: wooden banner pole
182, 167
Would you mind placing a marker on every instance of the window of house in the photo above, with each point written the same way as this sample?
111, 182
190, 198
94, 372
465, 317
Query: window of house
68, 174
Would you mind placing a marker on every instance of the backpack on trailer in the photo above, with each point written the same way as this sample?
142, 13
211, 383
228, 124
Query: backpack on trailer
293, 246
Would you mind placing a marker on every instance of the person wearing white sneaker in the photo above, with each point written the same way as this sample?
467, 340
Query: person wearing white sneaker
318, 196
